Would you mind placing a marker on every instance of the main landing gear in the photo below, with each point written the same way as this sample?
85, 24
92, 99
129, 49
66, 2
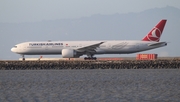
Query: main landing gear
90, 58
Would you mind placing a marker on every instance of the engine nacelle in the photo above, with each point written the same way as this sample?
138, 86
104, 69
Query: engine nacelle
68, 53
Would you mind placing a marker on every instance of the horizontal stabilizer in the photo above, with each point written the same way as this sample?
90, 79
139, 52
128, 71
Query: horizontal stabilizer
159, 43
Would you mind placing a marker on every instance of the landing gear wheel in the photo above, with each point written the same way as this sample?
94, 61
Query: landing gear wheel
90, 58
94, 58
23, 58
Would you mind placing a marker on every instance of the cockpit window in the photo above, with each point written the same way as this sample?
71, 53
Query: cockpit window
15, 46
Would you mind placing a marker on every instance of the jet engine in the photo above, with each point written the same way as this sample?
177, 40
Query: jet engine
68, 53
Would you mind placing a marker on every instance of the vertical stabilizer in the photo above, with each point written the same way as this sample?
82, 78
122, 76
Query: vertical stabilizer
156, 32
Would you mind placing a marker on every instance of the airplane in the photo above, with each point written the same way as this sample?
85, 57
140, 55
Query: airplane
75, 49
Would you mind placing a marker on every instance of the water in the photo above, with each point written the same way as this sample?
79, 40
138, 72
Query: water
97, 85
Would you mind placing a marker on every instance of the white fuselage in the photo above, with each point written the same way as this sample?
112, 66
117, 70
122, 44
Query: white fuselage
108, 47
74, 49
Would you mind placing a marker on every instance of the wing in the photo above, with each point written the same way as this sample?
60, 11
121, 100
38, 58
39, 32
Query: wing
89, 48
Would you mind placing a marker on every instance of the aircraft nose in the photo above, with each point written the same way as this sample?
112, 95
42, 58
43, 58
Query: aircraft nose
12, 49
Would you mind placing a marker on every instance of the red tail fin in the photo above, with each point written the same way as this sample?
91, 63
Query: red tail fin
155, 33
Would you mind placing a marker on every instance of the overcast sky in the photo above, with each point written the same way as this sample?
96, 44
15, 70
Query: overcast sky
38, 10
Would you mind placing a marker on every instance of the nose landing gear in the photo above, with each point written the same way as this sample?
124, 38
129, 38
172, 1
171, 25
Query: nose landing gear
23, 58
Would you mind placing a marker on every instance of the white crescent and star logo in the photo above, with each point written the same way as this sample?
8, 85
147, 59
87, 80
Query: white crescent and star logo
154, 35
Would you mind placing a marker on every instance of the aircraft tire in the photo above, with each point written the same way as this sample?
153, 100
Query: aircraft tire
90, 58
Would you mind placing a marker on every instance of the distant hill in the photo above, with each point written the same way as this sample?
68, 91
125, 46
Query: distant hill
129, 26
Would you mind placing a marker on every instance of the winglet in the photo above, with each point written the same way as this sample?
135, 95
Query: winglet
156, 32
